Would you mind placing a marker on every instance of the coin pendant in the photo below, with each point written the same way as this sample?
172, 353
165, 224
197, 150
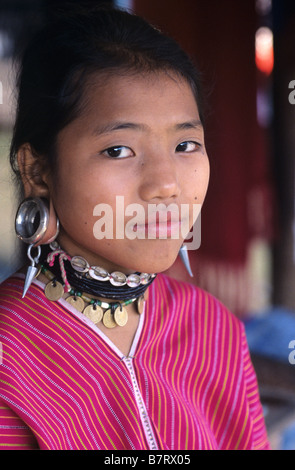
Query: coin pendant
121, 316
54, 290
94, 313
38, 272
76, 302
108, 319
140, 304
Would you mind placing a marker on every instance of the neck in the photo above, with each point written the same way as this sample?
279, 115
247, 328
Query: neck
77, 274
75, 249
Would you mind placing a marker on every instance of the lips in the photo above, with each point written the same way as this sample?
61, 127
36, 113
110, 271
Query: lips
161, 225
163, 230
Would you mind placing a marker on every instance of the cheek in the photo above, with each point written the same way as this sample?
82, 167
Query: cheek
79, 203
199, 180
73, 202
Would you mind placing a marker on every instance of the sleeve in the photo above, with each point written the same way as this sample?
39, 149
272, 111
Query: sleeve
14, 434
259, 434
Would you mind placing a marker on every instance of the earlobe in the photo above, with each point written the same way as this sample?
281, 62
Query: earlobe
31, 168
53, 226
34, 179
36, 221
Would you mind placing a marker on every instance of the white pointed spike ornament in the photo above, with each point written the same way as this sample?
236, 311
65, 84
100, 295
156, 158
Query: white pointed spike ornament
32, 269
185, 259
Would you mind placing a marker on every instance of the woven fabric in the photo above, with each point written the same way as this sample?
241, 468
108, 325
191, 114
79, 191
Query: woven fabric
64, 385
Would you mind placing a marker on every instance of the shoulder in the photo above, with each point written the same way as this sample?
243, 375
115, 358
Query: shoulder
196, 302
179, 290
11, 291
18, 313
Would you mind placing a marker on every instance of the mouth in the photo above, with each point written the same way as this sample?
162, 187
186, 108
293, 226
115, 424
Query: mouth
163, 226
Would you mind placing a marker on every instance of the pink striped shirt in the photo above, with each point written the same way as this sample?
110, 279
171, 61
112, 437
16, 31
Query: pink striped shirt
188, 382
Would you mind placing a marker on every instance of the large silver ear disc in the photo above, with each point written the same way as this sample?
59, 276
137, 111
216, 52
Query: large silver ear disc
185, 259
32, 219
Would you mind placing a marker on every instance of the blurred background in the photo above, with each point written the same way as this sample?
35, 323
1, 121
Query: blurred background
245, 52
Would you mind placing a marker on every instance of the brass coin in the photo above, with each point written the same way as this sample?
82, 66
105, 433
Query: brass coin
140, 304
94, 313
121, 316
76, 302
39, 271
108, 320
54, 290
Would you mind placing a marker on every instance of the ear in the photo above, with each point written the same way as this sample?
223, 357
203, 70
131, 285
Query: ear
35, 177
33, 172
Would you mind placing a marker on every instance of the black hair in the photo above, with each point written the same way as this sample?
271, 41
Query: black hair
66, 51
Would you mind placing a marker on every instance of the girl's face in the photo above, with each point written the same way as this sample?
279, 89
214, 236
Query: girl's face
139, 138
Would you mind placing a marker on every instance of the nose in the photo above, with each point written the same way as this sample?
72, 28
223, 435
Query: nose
159, 178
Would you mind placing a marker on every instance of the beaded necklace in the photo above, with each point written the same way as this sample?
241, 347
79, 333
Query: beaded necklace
111, 314
71, 275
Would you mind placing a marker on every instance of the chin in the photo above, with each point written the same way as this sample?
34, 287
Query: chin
149, 256
155, 264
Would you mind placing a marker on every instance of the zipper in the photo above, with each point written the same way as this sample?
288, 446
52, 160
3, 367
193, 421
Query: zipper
145, 421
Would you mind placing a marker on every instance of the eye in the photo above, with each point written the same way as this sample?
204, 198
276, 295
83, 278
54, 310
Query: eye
118, 152
188, 146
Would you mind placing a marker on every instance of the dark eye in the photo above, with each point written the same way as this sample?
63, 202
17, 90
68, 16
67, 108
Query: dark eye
118, 152
188, 146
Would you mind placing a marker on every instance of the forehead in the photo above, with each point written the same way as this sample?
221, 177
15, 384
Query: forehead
161, 94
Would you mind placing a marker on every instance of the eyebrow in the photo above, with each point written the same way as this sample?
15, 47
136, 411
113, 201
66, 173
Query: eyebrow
120, 125
195, 124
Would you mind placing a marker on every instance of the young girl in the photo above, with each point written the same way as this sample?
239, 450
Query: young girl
99, 349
